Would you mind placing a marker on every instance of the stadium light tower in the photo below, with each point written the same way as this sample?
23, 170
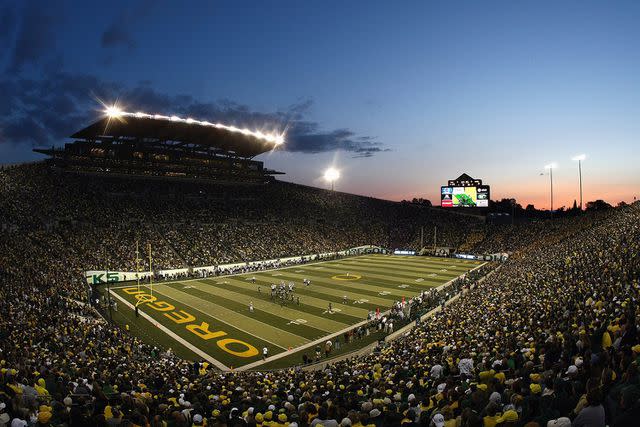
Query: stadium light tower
331, 175
579, 158
551, 167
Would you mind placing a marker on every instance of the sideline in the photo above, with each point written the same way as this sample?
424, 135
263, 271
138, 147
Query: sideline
411, 325
302, 265
392, 336
355, 326
168, 282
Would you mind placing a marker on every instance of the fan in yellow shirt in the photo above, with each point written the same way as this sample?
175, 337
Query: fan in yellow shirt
41, 388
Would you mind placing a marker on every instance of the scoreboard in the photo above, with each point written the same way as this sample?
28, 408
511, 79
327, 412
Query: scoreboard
474, 196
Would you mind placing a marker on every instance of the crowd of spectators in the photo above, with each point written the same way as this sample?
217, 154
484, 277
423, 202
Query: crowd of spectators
78, 223
401, 314
549, 338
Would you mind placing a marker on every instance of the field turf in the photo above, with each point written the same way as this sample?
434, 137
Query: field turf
210, 318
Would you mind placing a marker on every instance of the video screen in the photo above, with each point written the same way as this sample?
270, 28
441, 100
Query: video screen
464, 197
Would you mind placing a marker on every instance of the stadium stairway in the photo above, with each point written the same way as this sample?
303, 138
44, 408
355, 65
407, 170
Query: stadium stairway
153, 228
472, 240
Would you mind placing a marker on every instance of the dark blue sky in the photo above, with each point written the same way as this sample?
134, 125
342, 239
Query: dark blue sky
400, 96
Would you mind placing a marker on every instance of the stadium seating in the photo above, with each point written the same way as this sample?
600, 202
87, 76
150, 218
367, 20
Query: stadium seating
551, 333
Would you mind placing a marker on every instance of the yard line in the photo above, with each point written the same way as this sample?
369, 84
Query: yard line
385, 275
221, 312
173, 335
307, 299
399, 266
328, 294
269, 317
388, 278
366, 287
368, 282
422, 259
388, 271
338, 290
322, 323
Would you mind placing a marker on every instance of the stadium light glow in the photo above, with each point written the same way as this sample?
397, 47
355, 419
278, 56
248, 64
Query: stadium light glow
274, 138
579, 157
113, 111
551, 166
331, 175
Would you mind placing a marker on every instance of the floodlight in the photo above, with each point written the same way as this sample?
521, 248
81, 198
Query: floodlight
113, 111
275, 138
331, 174
579, 157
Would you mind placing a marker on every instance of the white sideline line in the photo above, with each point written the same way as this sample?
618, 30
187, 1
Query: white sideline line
304, 346
431, 312
173, 335
312, 263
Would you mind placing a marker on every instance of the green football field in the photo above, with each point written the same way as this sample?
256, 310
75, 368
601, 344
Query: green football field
211, 319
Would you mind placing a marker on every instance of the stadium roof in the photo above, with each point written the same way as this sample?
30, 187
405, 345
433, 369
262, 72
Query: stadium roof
464, 177
147, 127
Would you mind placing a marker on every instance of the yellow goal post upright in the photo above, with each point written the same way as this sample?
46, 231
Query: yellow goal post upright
137, 265
144, 298
150, 270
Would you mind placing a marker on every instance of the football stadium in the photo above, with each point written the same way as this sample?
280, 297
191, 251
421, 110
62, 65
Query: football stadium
167, 260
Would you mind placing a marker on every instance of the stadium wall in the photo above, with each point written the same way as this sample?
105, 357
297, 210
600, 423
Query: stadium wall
96, 277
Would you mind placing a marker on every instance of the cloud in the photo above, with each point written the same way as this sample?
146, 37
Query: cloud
35, 38
45, 112
118, 33
305, 137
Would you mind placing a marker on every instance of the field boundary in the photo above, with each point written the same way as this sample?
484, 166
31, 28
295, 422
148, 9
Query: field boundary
287, 352
433, 311
394, 335
168, 282
304, 346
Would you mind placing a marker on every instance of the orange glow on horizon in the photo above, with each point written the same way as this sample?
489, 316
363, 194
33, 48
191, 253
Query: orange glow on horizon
538, 195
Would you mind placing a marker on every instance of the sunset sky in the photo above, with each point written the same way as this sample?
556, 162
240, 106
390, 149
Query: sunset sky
400, 96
